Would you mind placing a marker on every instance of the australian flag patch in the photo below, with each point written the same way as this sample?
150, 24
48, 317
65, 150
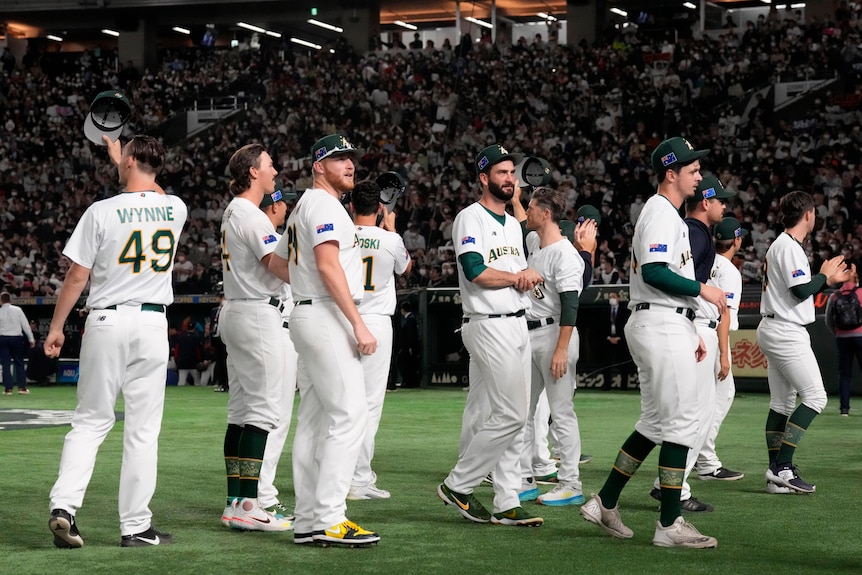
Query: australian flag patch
668, 159
268, 239
325, 228
468, 240
798, 273
658, 248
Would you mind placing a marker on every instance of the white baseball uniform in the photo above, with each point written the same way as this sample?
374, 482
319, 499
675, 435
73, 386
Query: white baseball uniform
383, 255
782, 336
250, 323
267, 493
562, 269
726, 277
332, 411
127, 242
495, 335
661, 338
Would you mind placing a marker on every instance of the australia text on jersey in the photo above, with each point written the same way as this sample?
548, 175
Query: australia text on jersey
152, 214
503, 251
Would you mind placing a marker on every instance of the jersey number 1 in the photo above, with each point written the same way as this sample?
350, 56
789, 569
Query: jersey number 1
162, 245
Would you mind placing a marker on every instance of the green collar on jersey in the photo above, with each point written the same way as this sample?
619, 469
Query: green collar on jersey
498, 217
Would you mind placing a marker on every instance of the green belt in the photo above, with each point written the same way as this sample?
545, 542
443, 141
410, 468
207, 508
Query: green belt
146, 307
303, 302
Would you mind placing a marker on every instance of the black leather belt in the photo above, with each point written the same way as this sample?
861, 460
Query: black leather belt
710, 323
146, 307
537, 323
276, 303
683, 311
311, 301
519, 313
285, 325
770, 315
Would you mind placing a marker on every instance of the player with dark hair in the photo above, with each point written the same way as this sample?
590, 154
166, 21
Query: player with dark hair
250, 325
786, 308
383, 255
666, 348
124, 246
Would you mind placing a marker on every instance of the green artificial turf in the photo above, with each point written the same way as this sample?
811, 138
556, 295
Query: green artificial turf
416, 447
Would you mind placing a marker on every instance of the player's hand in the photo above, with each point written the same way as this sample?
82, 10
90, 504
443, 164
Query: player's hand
388, 221
836, 270
53, 343
516, 197
527, 279
613, 339
115, 150
700, 352
32, 344
559, 363
585, 236
724, 368
715, 296
366, 343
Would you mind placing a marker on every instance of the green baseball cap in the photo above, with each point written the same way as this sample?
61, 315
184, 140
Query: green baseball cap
270, 199
536, 172
711, 187
109, 112
589, 212
728, 229
494, 154
567, 228
331, 145
674, 152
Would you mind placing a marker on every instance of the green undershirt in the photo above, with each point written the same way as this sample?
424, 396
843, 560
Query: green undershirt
659, 276
804, 291
569, 313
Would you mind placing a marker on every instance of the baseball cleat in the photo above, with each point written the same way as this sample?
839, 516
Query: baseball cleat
466, 503
721, 474
345, 534
549, 479
681, 534
516, 517
147, 538
227, 514
563, 494
280, 511
367, 492
529, 490
692, 504
489, 479
23, 392
585, 459
305, 538
775, 488
248, 515
786, 474
65, 530
608, 519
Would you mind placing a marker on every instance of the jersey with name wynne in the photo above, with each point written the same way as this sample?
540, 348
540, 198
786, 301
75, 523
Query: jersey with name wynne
383, 256
318, 218
128, 242
661, 236
786, 266
561, 267
247, 237
475, 229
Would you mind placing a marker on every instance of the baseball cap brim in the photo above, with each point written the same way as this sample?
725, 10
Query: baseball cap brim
94, 133
392, 187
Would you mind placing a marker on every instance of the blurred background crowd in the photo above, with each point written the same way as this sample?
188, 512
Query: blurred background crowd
595, 112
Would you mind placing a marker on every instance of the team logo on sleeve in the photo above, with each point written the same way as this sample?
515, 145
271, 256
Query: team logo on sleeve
322, 228
729, 295
468, 240
658, 248
668, 159
798, 273
268, 239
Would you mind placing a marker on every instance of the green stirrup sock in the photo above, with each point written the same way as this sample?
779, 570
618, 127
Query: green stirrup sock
794, 432
635, 449
671, 472
251, 447
231, 459
775, 424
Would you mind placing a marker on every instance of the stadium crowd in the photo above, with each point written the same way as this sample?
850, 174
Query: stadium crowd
593, 111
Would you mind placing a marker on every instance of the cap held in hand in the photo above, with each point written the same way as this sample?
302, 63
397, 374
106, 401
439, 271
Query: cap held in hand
108, 113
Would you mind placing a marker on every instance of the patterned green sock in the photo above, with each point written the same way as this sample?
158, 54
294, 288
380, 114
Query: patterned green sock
635, 449
231, 460
251, 448
794, 431
775, 424
671, 472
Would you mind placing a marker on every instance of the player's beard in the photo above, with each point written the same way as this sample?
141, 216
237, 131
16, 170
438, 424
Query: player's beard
498, 192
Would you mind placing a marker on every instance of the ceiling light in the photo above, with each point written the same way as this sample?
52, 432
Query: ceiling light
273, 34
799, 5
689, 5
325, 25
110, 32
619, 12
305, 43
181, 30
479, 22
405, 25
546, 16
257, 29
54, 38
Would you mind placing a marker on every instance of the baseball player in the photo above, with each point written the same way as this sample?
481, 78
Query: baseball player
786, 308
666, 348
319, 255
250, 326
274, 205
728, 239
383, 255
14, 327
124, 246
494, 280
703, 210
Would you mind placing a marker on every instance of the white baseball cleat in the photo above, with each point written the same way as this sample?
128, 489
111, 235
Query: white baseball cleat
680, 533
248, 515
608, 519
367, 492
